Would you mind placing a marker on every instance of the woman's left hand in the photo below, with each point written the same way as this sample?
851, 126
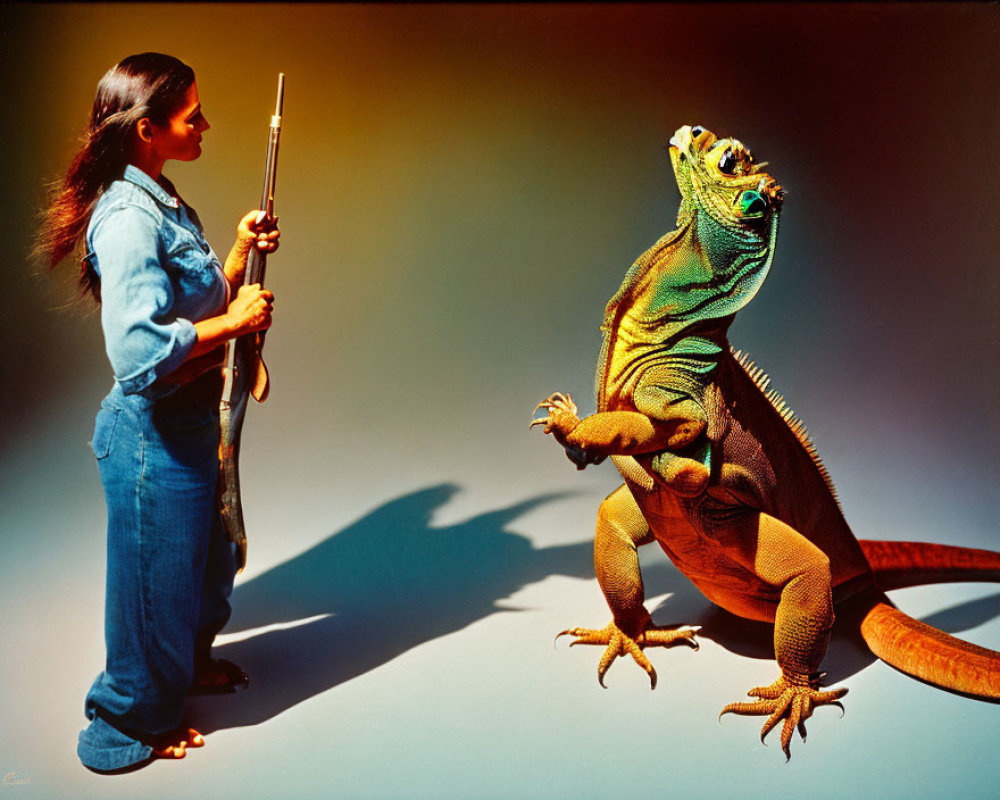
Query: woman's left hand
259, 229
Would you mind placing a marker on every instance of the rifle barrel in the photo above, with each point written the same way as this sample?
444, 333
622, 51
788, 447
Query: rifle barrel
243, 363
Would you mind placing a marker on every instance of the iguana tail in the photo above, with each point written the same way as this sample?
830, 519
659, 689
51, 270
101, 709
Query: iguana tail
914, 647
899, 564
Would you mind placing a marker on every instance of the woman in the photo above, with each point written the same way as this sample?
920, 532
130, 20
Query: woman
167, 309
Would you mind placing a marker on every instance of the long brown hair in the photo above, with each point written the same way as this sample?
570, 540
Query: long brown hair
149, 85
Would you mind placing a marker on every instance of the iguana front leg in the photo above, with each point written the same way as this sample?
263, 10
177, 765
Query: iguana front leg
627, 433
621, 529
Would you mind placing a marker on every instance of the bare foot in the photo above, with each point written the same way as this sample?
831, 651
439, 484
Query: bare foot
175, 744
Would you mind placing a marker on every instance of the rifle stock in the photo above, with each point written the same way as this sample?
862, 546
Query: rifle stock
245, 371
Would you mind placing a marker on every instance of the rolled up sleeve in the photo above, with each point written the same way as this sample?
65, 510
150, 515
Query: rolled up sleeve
143, 339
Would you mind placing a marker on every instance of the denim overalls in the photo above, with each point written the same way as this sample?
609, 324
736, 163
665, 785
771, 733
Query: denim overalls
170, 570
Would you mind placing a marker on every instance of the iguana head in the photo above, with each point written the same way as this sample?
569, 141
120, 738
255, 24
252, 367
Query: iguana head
719, 178
729, 216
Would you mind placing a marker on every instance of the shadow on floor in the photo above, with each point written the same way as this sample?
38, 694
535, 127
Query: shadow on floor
386, 583
392, 581
849, 654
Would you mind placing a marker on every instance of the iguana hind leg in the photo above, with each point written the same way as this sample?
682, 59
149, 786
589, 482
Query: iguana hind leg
621, 529
782, 557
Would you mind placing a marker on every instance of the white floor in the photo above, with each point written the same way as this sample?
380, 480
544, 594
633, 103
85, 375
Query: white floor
399, 635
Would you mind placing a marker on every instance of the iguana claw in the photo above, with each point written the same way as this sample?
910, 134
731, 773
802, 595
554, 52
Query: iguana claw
558, 402
786, 700
561, 421
619, 644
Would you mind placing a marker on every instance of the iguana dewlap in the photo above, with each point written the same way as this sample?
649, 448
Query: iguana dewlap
720, 473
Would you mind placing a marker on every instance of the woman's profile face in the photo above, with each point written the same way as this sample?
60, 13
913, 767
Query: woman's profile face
180, 138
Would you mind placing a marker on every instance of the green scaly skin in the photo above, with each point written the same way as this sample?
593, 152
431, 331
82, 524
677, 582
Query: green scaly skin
722, 476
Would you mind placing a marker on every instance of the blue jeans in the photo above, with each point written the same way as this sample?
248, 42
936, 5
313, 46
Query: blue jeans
170, 570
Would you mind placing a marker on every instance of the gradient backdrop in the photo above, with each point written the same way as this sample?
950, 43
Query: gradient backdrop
461, 190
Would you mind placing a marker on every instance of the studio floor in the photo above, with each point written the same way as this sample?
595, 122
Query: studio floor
400, 644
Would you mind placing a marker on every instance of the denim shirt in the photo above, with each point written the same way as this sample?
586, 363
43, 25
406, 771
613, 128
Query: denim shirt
158, 277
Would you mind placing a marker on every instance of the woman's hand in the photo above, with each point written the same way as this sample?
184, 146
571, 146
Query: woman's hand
249, 312
251, 309
260, 230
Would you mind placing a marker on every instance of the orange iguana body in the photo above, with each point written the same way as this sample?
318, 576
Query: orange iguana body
721, 474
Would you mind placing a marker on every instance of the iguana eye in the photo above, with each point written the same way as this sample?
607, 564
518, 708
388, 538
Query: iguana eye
727, 162
751, 204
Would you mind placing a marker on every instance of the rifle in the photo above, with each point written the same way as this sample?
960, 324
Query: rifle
246, 373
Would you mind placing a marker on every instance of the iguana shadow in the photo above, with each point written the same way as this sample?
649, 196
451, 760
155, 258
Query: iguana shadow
392, 581
379, 587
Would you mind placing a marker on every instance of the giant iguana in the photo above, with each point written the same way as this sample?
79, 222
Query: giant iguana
720, 473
